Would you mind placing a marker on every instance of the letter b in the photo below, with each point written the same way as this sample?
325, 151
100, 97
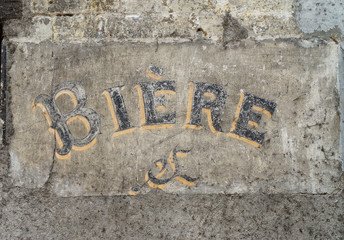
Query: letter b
59, 121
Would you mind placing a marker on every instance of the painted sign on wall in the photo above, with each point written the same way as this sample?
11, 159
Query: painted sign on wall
123, 119
204, 98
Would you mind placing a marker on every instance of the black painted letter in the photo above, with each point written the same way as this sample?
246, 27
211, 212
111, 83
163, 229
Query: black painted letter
59, 121
208, 98
151, 102
118, 110
245, 116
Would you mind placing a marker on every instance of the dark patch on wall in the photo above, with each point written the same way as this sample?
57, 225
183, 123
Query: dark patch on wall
3, 90
2, 86
232, 30
7, 49
10, 9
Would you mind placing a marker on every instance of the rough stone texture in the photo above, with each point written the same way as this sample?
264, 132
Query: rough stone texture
298, 165
148, 21
166, 216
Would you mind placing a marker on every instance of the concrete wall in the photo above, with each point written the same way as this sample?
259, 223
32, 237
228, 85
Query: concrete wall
172, 120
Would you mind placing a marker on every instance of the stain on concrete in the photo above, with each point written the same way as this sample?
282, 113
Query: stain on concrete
232, 29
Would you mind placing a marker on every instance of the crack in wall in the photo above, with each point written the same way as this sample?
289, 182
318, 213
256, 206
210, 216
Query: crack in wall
50, 173
341, 94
